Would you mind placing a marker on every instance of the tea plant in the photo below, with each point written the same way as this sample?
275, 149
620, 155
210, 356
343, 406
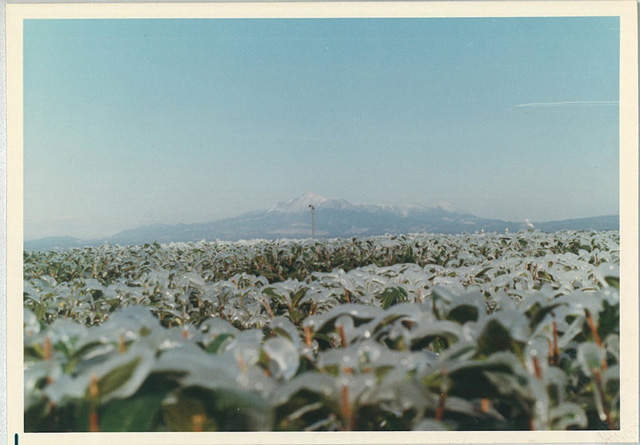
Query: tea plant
412, 332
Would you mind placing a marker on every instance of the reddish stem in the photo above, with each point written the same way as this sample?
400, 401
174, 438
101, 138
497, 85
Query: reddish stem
440, 409
121, 345
346, 408
47, 348
596, 337
343, 338
592, 326
266, 303
197, 421
94, 426
307, 336
536, 367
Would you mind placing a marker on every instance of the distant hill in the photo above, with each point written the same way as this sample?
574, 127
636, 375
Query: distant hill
335, 218
54, 242
608, 222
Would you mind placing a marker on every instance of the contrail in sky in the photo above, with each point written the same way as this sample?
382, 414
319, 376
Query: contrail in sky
561, 104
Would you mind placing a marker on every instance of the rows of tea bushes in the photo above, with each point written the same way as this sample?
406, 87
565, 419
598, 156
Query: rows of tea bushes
416, 332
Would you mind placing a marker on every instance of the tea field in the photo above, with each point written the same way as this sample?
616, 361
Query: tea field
516, 331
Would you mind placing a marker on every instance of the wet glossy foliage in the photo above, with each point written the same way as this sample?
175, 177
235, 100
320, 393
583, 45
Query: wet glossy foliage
416, 332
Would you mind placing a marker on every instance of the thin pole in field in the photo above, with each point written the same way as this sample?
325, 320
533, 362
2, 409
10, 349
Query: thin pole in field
313, 221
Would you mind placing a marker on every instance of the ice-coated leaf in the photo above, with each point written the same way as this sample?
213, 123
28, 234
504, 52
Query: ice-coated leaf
31, 325
464, 407
496, 323
359, 312
611, 383
284, 356
67, 388
424, 334
393, 295
398, 400
556, 381
590, 357
608, 274
573, 330
283, 326
192, 279
567, 415
93, 284
132, 319
459, 352
430, 425
245, 347
612, 344
198, 368
321, 384
35, 373
65, 332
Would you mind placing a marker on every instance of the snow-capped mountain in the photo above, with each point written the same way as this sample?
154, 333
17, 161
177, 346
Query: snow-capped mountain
334, 218
303, 203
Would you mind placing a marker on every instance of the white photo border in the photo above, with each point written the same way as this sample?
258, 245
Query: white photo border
626, 10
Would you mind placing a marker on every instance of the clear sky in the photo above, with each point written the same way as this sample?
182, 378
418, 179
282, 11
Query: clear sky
134, 122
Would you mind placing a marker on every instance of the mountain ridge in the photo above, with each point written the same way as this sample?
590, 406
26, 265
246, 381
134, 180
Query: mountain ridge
335, 218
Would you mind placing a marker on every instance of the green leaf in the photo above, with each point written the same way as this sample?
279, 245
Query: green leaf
118, 377
137, 413
298, 295
184, 414
537, 313
613, 282
463, 313
609, 319
494, 337
393, 295
214, 346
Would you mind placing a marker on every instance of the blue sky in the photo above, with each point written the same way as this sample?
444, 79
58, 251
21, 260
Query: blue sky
134, 122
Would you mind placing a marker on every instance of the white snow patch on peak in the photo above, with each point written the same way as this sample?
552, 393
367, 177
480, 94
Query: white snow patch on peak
302, 204
299, 204
448, 207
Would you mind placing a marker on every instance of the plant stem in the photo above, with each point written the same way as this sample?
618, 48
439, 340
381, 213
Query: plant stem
94, 393
440, 409
596, 337
47, 348
121, 345
556, 349
536, 368
592, 326
345, 407
268, 306
343, 338
597, 378
307, 336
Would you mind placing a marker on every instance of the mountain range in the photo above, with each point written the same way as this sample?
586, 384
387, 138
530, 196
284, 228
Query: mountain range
334, 218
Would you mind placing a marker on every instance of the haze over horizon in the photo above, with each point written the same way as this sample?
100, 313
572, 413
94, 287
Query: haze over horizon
135, 122
301, 205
